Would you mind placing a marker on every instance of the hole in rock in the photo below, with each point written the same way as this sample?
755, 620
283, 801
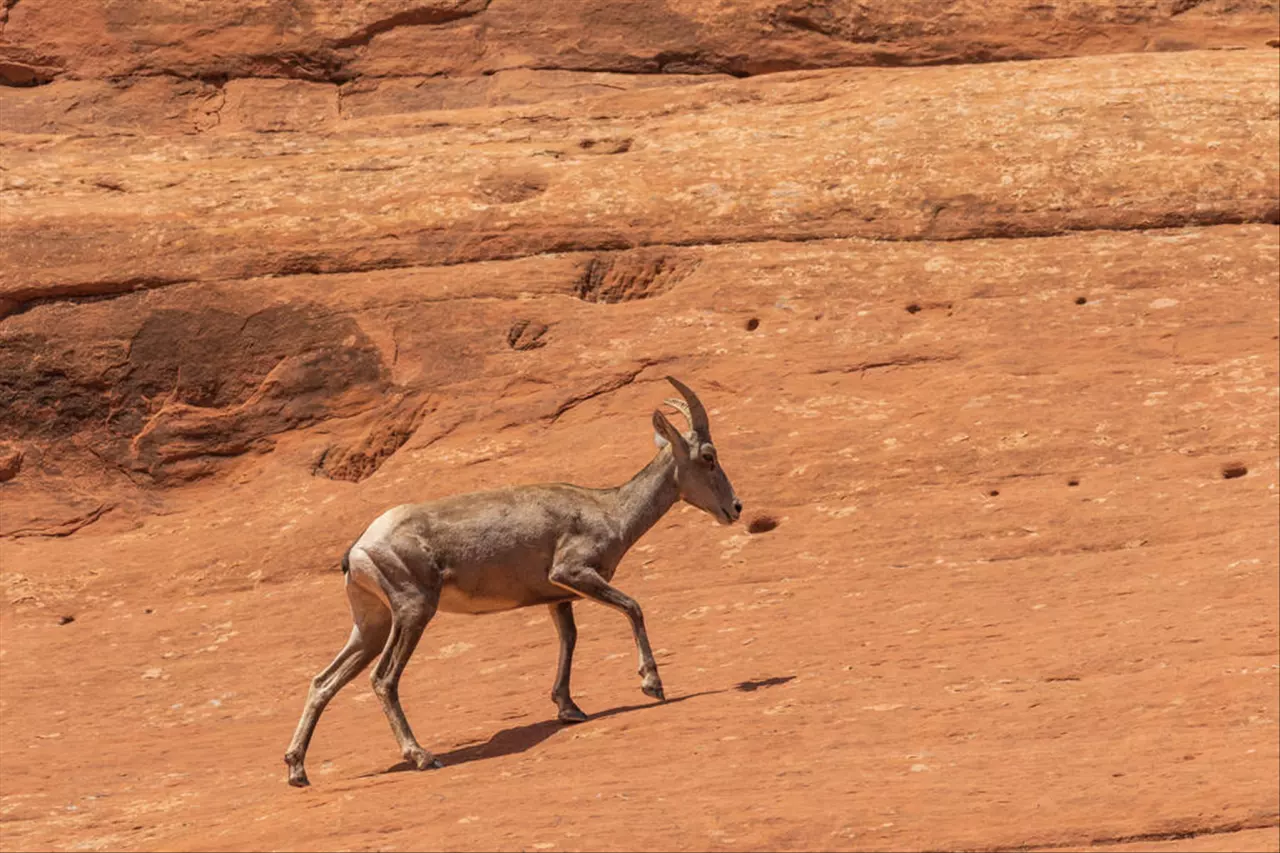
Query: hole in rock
526, 335
635, 274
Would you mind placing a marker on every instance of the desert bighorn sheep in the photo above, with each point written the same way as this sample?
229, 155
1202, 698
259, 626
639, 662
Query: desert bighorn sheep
498, 550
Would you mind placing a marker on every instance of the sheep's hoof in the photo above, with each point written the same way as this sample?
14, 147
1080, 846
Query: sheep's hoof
423, 760
571, 713
297, 773
654, 690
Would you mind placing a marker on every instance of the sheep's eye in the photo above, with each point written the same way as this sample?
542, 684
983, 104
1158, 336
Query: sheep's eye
708, 458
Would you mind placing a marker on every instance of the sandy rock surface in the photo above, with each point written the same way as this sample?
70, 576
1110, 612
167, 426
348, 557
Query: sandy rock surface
990, 346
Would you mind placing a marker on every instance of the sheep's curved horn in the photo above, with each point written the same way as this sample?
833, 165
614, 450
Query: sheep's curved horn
692, 409
679, 406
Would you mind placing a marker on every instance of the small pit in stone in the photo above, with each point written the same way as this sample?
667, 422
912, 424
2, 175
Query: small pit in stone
612, 277
1073, 482
753, 324
1233, 469
606, 146
526, 335
914, 308
762, 524
995, 493
66, 620
1080, 300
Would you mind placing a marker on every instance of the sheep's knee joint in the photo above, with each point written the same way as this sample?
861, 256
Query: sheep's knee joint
383, 689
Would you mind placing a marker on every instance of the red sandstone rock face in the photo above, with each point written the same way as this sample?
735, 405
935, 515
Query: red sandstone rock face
340, 41
990, 352
1029, 150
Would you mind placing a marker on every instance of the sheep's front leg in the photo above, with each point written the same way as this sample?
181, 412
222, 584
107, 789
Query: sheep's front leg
562, 615
586, 582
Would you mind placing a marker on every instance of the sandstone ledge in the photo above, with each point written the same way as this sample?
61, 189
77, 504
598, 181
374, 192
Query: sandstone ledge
1006, 150
336, 41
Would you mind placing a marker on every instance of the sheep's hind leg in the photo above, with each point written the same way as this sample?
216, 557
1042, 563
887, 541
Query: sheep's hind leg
409, 619
368, 635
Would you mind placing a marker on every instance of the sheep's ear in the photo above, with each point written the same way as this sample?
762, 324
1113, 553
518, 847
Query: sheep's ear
665, 434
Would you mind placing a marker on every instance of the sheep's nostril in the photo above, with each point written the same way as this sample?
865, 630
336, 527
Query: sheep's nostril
737, 507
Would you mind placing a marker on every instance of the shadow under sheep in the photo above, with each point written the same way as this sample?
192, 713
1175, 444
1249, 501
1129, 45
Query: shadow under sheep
518, 739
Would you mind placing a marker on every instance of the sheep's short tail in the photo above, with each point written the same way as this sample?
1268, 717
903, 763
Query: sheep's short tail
346, 561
